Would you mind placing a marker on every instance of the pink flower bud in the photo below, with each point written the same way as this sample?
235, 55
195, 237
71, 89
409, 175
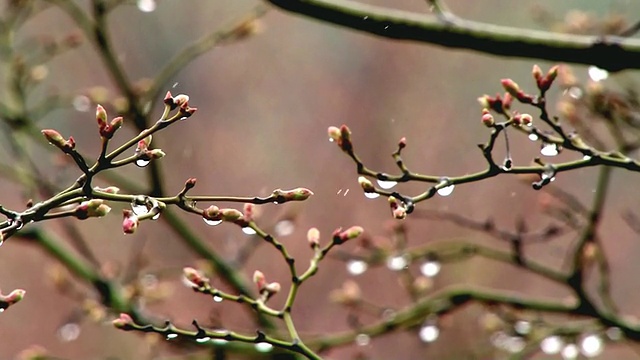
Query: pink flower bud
116, 123
272, 289
195, 277
187, 111
53, 137
180, 100
507, 100
484, 101
190, 183
259, 279
487, 118
510, 86
13, 297
537, 73
168, 100
402, 143
101, 118
108, 190
313, 237
366, 184
334, 133
249, 211
143, 144
130, 221
526, 119
351, 233
124, 322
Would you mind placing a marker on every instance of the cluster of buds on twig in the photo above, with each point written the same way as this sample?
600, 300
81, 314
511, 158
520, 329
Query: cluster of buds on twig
266, 289
92, 208
144, 153
180, 102
107, 129
512, 88
544, 81
341, 136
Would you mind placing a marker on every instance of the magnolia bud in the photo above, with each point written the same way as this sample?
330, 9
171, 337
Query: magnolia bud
510, 86
249, 211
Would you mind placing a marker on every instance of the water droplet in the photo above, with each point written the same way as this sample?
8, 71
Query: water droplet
203, 339
156, 216
591, 345
389, 314
331, 139
357, 267
614, 333
2, 310
386, 27
551, 345
249, 231
362, 339
596, 74
139, 209
142, 162
81, 103
533, 137
212, 222
217, 298
171, 336
570, 352
430, 268
429, 333
549, 149
446, 191
387, 184
371, 195
586, 157
147, 5
284, 228
574, 92
174, 85
263, 347
397, 263
69, 332
219, 341
365, 18
548, 173
522, 327
507, 164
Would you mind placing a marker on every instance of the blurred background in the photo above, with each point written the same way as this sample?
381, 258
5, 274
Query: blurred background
264, 105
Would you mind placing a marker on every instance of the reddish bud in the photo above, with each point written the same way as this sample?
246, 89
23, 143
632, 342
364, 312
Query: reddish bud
334, 133
130, 221
186, 111
313, 237
116, 123
484, 101
53, 137
181, 100
507, 100
351, 233
143, 144
190, 183
526, 119
398, 209
402, 143
259, 280
108, 190
510, 86
124, 322
537, 73
168, 100
101, 117
195, 277
487, 118
249, 211
13, 297
155, 154
366, 184
545, 83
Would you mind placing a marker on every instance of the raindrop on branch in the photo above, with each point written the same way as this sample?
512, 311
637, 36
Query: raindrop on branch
139, 209
429, 333
371, 195
533, 137
142, 162
203, 339
591, 345
387, 184
171, 336
211, 222
397, 262
549, 149
596, 74
446, 191
263, 347
249, 231
217, 298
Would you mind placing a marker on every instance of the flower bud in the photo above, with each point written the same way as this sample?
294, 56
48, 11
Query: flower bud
116, 123
124, 322
168, 100
230, 215
248, 211
334, 133
108, 190
297, 194
510, 86
58, 141
130, 221
366, 184
155, 154
349, 234
484, 101
13, 297
537, 73
194, 277
143, 144
526, 119
101, 118
259, 280
271, 289
313, 237
487, 118
211, 213
180, 100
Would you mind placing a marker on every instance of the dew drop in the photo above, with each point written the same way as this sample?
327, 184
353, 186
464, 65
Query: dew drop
171, 336
362, 339
212, 222
533, 137
331, 139
219, 341
365, 18
142, 162
446, 191
551, 345
371, 195
217, 298
591, 345
249, 231
387, 184
570, 352
574, 92
1, 310
156, 216
514, 344
357, 267
139, 209
81, 103
397, 263
586, 157
430, 268
203, 339
284, 228
429, 333
614, 333
549, 149
69, 332
596, 74
522, 327
263, 347
147, 5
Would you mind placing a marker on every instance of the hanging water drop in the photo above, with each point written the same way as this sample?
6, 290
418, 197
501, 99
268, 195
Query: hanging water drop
596, 74
217, 298
219, 341
249, 231
371, 195
397, 263
446, 191
2, 310
171, 336
570, 352
549, 149
147, 5
533, 137
357, 267
429, 333
156, 216
211, 222
387, 184
142, 162
551, 345
430, 268
591, 345
139, 209
586, 157
284, 228
362, 339
522, 327
263, 347
203, 339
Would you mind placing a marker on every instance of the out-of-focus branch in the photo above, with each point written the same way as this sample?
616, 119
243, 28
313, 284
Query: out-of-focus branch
613, 53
